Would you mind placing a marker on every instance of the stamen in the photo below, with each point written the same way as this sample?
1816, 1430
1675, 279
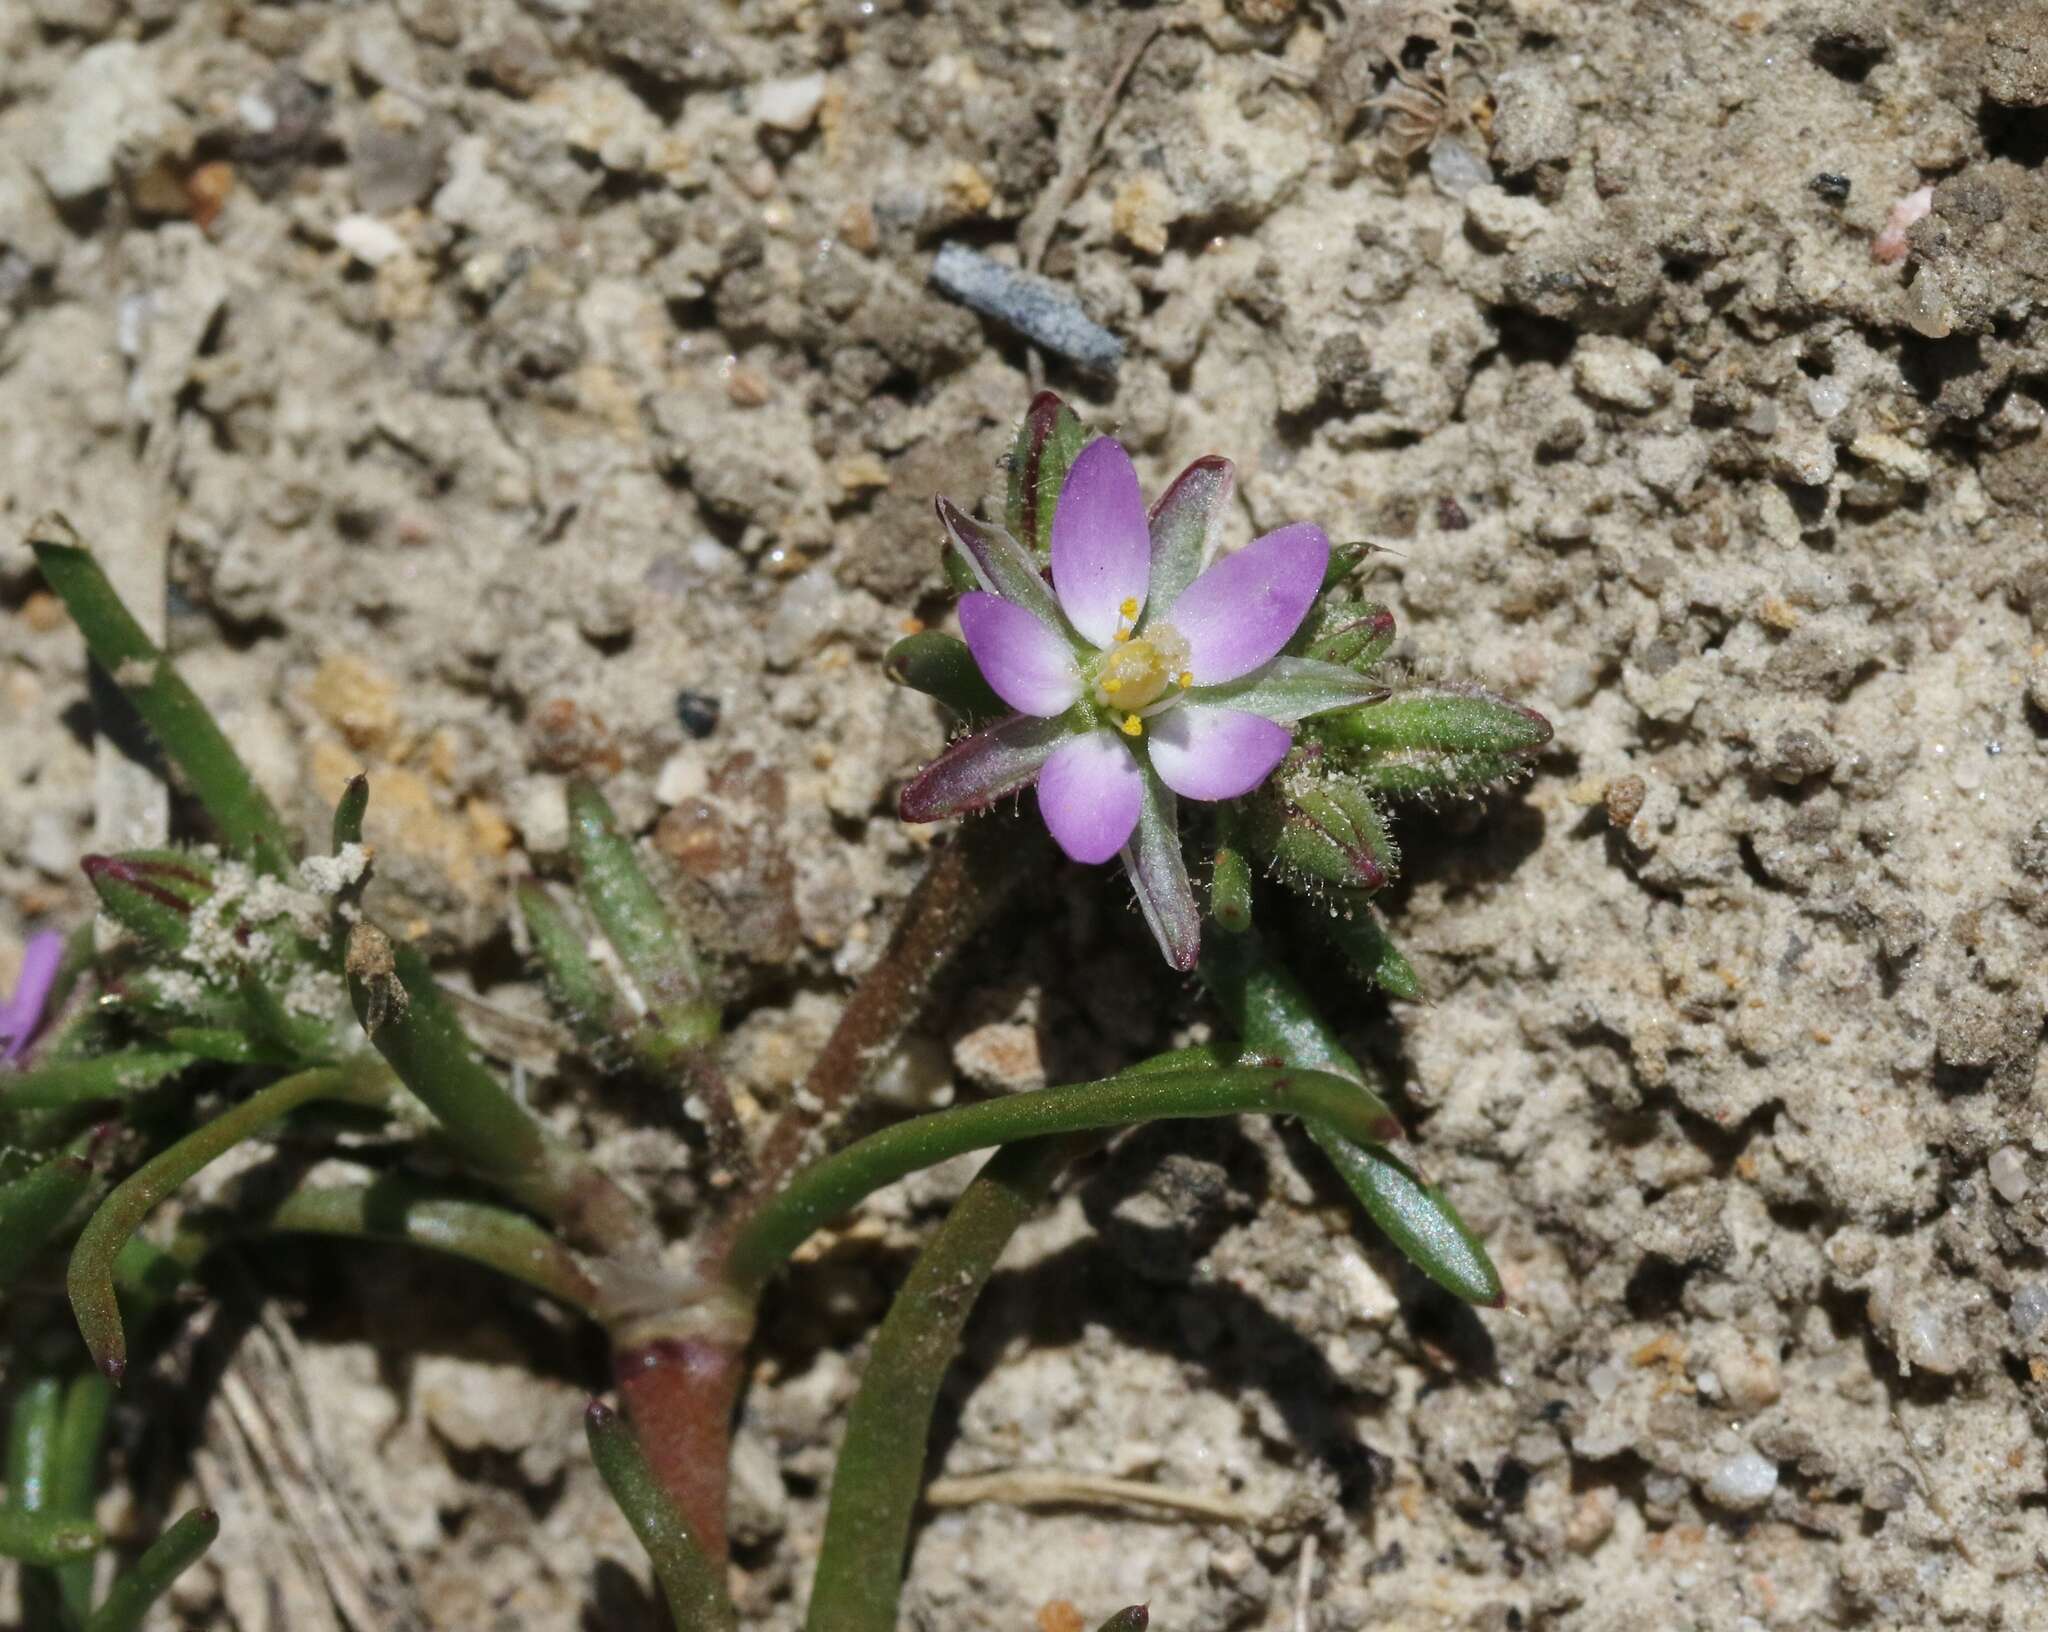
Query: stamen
1133, 726
1112, 685
1187, 678
1129, 608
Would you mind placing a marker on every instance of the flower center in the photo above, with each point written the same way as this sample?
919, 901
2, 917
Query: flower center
1140, 669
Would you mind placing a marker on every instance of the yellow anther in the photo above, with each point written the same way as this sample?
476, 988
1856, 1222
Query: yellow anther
1133, 726
1112, 685
1187, 678
1129, 608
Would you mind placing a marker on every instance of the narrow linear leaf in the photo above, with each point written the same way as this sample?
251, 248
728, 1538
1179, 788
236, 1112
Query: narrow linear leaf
349, 811
75, 1477
1275, 1019
34, 1206
416, 1030
103, 1077
91, 1278
691, 1581
654, 947
582, 991
44, 1539
249, 824
881, 1460
829, 1188
168, 1557
399, 1210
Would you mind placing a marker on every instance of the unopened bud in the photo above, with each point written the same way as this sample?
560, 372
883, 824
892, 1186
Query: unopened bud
151, 893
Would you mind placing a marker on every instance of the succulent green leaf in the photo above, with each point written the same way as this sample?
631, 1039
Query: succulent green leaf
191, 738
168, 1557
34, 1207
691, 1581
349, 811
44, 1539
881, 1460
582, 992
1275, 1019
941, 666
91, 1278
1451, 721
64, 1083
653, 946
1361, 935
826, 1189
75, 1476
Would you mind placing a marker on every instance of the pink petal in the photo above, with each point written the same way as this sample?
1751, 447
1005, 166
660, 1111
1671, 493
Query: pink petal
1101, 548
1031, 667
22, 1013
1215, 753
1089, 793
980, 769
1245, 608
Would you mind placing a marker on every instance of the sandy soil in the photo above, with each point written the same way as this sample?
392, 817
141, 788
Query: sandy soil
494, 373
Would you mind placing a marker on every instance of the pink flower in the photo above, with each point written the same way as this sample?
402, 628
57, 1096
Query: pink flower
22, 1013
1137, 676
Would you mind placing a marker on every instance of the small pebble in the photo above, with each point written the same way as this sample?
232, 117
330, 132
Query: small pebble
697, 713
1830, 185
1037, 308
2008, 1169
1744, 1481
2029, 1307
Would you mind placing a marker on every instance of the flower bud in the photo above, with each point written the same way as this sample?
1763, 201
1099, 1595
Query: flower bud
1439, 739
1324, 829
151, 893
1355, 634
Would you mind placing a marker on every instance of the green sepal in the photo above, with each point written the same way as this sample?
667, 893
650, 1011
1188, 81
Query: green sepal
960, 577
1352, 634
1322, 829
152, 893
941, 666
1048, 441
1361, 935
1344, 561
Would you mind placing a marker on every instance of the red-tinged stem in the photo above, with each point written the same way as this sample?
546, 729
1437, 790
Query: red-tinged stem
679, 1394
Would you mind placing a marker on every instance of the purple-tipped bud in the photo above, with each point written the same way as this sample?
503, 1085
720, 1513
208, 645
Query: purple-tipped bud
1324, 829
151, 892
1354, 634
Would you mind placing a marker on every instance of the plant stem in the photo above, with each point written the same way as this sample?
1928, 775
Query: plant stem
881, 1460
963, 884
825, 1190
680, 1393
690, 1573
